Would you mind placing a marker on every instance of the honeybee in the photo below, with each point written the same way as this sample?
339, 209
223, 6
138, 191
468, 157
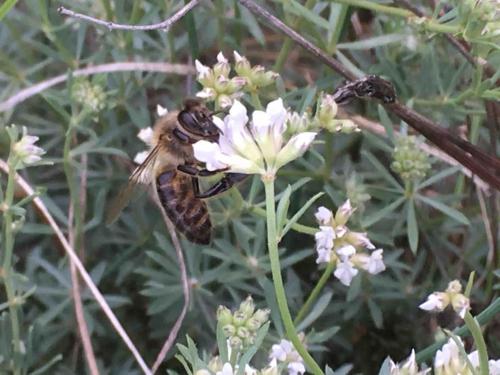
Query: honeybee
173, 170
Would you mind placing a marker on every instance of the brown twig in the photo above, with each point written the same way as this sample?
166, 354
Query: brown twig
185, 289
22, 95
81, 269
164, 25
461, 150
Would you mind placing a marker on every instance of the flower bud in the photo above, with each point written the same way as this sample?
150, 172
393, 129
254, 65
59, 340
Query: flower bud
202, 372
242, 66
247, 307
224, 316
235, 342
326, 112
215, 364
261, 315
460, 304
229, 330
343, 213
410, 162
454, 287
239, 318
243, 332
222, 67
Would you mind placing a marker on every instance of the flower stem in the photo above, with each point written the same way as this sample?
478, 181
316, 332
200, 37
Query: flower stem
7, 263
256, 100
314, 294
475, 330
272, 243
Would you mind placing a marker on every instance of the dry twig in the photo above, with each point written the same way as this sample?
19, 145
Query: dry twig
81, 269
27, 93
164, 25
185, 289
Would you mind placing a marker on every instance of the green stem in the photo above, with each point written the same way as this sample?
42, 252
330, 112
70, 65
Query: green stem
475, 330
314, 294
428, 24
285, 49
296, 227
256, 100
484, 317
272, 243
7, 261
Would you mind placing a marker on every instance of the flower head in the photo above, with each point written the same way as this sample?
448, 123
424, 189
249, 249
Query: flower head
25, 150
285, 352
337, 244
408, 367
438, 301
255, 148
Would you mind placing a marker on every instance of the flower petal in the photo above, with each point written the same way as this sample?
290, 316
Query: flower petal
209, 153
295, 147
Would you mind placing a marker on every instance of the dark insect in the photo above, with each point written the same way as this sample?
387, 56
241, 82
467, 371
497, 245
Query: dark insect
370, 86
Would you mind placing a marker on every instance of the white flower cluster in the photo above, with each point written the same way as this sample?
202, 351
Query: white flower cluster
438, 301
260, 147
336, 243
218, 368
447, 361
219, 87
286, 353
25, 150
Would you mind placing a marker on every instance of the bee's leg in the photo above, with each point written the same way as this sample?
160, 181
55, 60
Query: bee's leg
183, 137
196, 186
193, 171
226, 183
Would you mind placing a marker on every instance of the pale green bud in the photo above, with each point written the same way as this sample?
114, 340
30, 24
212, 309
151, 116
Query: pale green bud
242, 65
247, 307
261, 315
235, 342
229, 330
243, 332
215, 364
224, 316
454, 287
326, 112
239, 318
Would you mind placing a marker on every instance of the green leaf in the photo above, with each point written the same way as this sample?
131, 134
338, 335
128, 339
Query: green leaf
282, 211
374, 42
449, 211
412, 226
318, 308
6, 7
376, 216
383, 170
222, 344
299, 213
301, 11
376, 313
386, 121
438, 176
250, 352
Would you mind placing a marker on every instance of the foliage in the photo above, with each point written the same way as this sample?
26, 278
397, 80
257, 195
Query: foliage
433, 228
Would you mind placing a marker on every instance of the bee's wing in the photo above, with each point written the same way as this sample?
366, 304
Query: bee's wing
143, 174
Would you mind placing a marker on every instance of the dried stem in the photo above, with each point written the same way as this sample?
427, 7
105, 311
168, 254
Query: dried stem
81, 269
164, 25
185, 289
461, 150
22, 95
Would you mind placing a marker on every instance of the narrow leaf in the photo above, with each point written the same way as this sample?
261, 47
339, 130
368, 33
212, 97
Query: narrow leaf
412, 226
300, 212
447, 210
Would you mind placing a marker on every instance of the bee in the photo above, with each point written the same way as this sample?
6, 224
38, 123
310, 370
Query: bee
173, 171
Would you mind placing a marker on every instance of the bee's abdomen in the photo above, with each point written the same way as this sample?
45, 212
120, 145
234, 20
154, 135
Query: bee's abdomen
188, 213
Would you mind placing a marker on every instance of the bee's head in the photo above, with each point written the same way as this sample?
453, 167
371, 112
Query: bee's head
196, 119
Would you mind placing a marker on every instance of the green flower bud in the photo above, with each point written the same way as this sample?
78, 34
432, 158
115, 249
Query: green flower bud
242, 66
410, 162
229, 330
235, 342
253, 324
243, 332
247, 307
261, 315
224, 316
239, 318
454, 287
326, 112
215, 364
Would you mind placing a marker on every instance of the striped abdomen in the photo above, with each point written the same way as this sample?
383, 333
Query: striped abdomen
188, 213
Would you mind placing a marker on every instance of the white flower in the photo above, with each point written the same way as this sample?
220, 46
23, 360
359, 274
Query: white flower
26, 150
409, 367
359, 239
345, 252
146, 135
436, 301
345, 272
343, 213
140, 157
324, 255
374, 263
207, 93
324, 216
448, 360
254, 149
161, 111
460, 304
285, 352
324, 238
494, 366
227, 369
221, 58
203, 70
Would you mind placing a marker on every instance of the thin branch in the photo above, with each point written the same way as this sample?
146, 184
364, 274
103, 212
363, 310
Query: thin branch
185, 289
77, 301
165, 25
464, 152
81, 269
22, 95
377, 128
